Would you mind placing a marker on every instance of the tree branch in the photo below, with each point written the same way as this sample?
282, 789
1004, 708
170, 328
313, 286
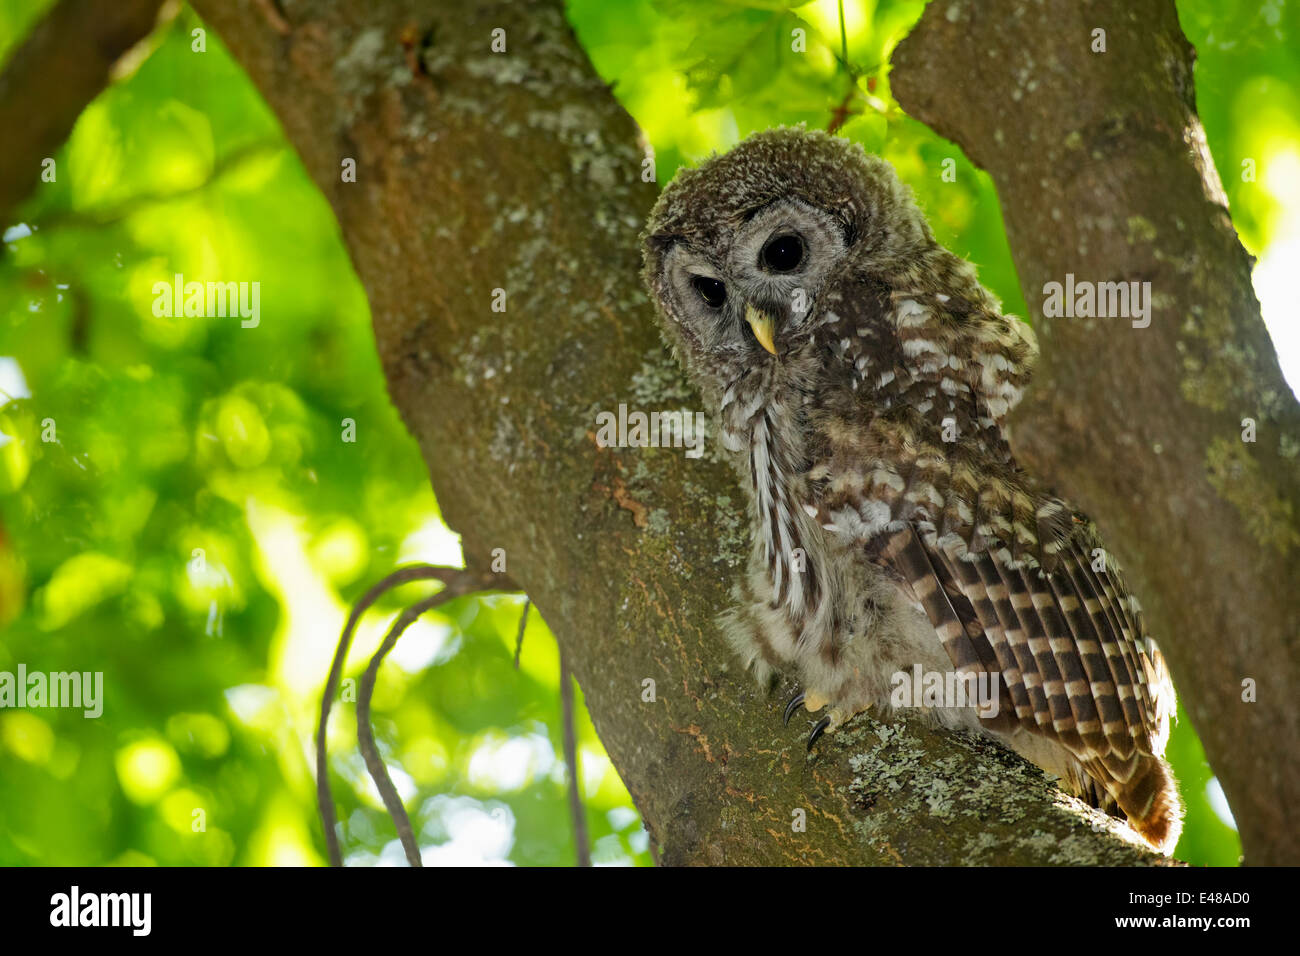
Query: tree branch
519, 171
1103, 173
65, 62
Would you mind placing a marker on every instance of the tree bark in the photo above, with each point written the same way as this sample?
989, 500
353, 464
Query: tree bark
1103, 172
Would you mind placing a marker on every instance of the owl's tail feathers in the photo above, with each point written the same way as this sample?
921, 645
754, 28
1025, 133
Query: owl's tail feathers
1145, 789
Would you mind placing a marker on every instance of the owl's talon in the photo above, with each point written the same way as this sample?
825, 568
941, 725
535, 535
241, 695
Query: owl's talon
795, 702
817, 731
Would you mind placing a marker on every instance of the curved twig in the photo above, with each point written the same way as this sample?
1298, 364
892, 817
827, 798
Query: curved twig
366, 733
324, 800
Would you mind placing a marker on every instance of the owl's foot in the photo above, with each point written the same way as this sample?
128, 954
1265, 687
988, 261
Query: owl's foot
813, 702
833, 720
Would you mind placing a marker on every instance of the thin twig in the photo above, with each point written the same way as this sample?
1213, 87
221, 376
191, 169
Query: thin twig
523, 622
324, 800
576, 810
844, 36
366, 733
842, 112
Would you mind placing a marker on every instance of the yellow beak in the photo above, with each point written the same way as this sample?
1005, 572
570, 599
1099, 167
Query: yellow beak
761, 323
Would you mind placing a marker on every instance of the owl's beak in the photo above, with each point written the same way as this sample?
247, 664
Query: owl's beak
761, 323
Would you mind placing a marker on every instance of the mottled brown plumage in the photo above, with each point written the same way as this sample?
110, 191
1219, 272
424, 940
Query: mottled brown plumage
861, 377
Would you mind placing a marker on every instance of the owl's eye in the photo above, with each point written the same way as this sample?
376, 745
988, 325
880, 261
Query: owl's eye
783, 253
713, 292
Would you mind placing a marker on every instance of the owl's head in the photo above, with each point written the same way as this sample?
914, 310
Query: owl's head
738, 250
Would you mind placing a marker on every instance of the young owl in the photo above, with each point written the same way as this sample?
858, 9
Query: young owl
860, 378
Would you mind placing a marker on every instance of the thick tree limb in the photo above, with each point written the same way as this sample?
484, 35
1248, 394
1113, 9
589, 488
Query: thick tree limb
519, 171
63, 65
1103, 173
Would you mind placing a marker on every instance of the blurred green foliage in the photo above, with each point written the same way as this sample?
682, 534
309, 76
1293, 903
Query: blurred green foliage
181, 511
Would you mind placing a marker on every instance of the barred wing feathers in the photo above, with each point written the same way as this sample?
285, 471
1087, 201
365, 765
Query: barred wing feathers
1006, 574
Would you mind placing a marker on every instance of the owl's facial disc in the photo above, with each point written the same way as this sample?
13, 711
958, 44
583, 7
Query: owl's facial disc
743, 295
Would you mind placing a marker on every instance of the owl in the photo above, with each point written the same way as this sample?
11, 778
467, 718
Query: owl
859, 378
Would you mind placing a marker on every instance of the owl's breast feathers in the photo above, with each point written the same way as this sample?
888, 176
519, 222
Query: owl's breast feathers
759, 423
909, 463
